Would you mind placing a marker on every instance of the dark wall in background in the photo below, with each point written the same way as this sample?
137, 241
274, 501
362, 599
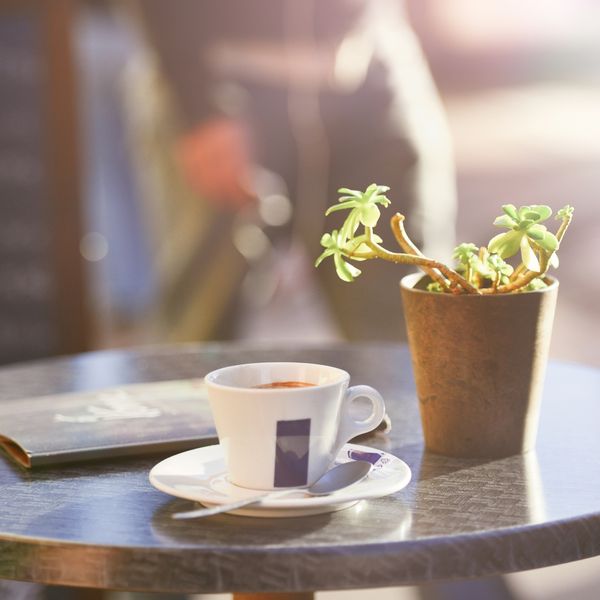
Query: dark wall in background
42, 290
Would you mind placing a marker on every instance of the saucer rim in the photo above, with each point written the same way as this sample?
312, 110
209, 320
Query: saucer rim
355, 493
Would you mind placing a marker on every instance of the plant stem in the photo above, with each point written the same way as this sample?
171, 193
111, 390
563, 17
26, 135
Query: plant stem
563, 227
517, 272
481, 256
521, 282
422, 261
397, 226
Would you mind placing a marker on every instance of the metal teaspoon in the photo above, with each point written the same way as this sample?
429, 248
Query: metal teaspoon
335, 479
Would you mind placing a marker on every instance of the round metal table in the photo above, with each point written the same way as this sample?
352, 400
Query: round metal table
102, 525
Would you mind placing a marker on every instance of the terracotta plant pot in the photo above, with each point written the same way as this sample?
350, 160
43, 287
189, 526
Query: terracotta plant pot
479, 365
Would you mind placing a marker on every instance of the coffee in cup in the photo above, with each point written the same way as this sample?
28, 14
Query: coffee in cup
284, 384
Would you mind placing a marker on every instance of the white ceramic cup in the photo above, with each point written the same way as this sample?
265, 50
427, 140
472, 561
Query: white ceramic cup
285, 437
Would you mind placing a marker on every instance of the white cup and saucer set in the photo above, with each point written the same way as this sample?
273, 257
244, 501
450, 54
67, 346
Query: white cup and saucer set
281, 427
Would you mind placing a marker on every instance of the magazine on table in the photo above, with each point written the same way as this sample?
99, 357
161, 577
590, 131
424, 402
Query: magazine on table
145, 418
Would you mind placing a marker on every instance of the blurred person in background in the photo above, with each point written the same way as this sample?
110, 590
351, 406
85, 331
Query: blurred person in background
280, 104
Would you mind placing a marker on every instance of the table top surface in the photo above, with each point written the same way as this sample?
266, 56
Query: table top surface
101, 524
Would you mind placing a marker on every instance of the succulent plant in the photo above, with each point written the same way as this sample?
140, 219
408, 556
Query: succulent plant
479, 270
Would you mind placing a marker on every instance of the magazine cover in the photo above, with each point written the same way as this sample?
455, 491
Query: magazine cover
131, 419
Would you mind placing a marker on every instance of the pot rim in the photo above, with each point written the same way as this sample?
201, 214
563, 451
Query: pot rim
409, 281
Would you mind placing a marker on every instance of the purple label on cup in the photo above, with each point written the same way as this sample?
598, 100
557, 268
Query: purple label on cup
291, 453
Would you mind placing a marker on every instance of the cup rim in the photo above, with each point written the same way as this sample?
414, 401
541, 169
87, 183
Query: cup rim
209, 378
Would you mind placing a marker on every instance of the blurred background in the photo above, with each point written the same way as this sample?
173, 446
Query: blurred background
164, 173
164, 167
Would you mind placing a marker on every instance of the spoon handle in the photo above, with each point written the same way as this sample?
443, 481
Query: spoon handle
335, 479
221, 508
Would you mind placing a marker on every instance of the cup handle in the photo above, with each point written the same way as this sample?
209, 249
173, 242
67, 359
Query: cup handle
350, 427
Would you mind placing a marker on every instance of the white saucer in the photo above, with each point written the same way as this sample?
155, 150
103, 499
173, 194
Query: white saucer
200, 475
